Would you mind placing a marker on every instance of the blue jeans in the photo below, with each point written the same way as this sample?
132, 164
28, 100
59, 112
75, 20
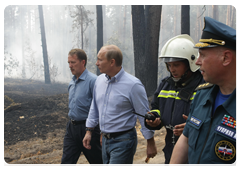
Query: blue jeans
121, 149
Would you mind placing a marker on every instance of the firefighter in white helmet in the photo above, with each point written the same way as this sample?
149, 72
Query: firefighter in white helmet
171, 102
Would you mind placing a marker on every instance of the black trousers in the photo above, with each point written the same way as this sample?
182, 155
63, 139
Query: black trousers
73, 146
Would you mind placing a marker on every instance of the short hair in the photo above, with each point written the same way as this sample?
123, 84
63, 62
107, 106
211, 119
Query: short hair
81, 55
113, 52
222, 48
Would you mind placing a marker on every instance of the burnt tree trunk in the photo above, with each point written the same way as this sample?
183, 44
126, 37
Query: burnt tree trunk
21, 9
44, 46
81, 13
99, 30
153, 20
146, 28
185, 19
138, 26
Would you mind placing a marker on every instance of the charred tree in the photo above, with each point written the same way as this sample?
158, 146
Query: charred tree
99, 30
22, 13
81, 20
81, 13
138, 26
185, 19
146, 28
153, 20
44, 46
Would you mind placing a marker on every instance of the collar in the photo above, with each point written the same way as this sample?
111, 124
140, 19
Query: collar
82, 76
117, 77
187, 88
229, 105
186, 92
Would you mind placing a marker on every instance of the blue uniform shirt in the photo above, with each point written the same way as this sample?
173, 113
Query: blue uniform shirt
80, 95
220, 99
113, 102
211, 139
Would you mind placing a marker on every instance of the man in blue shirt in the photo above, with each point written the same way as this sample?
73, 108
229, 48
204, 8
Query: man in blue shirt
209, 136
80, 97
116, 94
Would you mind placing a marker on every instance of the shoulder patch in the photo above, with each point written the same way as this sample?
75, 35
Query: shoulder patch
203, 86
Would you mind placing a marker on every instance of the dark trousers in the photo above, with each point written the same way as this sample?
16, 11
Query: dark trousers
72, 145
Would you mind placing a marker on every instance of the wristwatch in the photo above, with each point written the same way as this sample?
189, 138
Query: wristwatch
89, 129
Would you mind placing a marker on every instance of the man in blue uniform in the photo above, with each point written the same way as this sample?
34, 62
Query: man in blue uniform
80, 97
209, 136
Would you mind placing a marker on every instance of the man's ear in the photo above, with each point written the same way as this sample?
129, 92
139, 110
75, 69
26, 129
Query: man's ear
83, 61
112, 62
227, 57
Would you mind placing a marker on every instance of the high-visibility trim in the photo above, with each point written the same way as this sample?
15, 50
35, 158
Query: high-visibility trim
172, 94
194, 94
158, 111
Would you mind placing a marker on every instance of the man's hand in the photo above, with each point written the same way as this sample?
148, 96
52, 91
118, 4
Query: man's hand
178, 129
154, 123
151, 148
87, 139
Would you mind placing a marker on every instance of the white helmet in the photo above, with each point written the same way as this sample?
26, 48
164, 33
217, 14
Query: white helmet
180, 48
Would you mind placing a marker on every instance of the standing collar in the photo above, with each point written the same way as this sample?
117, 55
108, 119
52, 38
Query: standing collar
117, 77
229, 104
82, 76
209, 94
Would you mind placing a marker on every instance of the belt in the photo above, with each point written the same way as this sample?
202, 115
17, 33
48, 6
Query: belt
74, 122
113, 135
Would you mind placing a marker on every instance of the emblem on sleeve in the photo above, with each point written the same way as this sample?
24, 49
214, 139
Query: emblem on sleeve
225, 150
195, 121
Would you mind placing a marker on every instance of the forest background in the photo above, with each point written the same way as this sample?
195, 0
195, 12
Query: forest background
35, 114
66, 28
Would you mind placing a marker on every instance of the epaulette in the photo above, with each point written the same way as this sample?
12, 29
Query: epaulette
203, 86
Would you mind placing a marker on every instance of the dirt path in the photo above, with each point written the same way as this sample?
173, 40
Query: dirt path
49, 151
35, 117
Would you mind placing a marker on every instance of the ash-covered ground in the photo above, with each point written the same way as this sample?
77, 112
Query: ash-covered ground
35, 117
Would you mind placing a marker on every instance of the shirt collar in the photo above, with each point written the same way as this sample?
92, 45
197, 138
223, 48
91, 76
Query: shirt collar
229, 104
82, 76
117, 77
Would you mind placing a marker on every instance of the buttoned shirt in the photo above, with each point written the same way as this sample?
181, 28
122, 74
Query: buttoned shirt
113, 102
211, 138
80, 95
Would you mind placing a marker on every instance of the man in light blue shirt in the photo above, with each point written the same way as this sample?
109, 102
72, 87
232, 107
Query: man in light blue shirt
80, 97
116, 94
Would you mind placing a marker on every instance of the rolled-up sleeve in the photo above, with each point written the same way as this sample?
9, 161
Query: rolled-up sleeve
140, 104
93, 116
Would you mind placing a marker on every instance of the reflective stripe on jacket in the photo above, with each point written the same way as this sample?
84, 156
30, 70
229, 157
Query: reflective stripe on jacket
171, 103
172, 94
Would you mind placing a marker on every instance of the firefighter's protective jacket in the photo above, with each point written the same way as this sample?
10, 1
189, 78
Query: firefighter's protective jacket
172, 100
